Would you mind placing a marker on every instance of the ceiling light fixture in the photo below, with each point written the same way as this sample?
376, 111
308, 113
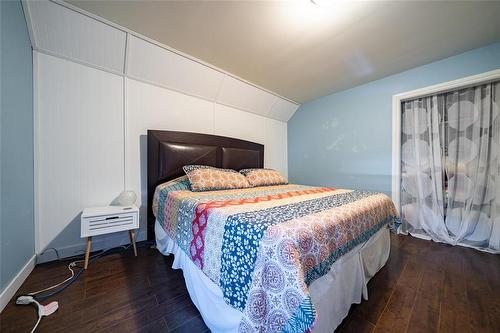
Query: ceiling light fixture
317, 14
303, 13
323, 2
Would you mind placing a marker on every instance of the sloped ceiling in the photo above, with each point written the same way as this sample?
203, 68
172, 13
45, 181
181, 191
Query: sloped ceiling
301, 50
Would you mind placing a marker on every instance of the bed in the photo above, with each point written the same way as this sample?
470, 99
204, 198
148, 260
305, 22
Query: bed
282, 258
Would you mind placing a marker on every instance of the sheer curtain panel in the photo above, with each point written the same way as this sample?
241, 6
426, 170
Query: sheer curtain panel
450, 186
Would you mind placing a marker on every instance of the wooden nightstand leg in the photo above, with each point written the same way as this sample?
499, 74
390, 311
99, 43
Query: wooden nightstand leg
132, 240
87, 252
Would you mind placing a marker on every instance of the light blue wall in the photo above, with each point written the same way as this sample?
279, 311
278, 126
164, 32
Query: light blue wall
16, 120
344, 139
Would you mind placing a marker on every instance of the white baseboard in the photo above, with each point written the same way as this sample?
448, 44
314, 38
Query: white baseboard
16, 283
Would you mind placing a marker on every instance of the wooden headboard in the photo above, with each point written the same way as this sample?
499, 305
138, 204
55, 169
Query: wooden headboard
169, 151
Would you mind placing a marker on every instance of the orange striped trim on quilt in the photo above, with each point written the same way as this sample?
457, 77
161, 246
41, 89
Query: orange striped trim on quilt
202, 210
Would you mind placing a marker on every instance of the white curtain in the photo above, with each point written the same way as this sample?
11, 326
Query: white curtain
450, 167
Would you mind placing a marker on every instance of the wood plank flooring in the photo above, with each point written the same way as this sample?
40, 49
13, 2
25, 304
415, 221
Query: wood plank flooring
425, 287
430, 287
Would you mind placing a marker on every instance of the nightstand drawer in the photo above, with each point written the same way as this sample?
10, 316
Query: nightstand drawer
108, 223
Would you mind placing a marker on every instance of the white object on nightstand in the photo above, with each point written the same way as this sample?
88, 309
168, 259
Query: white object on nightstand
104, 220
127, 198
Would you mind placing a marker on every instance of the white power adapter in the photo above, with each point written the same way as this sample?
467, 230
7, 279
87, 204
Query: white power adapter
24, 300
43, 310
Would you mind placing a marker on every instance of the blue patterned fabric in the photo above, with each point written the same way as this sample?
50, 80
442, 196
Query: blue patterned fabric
181, 185
185, 210
303, 319
244, 231
265, 245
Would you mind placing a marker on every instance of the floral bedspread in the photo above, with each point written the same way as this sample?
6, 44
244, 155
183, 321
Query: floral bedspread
264, 246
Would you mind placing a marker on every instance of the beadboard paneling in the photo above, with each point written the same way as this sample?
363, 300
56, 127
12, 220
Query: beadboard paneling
65, 32
79, 116
152, 107
275, 152
92, 125
244, 96
234, 123
154, 64
282, 109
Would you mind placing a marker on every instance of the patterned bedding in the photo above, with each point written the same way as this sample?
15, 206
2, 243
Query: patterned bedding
264, 246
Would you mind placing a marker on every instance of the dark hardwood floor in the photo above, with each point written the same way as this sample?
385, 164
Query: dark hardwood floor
425, 287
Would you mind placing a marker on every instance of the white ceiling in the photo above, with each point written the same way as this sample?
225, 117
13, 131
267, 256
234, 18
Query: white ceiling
303, 51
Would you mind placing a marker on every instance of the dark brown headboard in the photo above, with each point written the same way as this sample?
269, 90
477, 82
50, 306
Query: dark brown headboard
169, 151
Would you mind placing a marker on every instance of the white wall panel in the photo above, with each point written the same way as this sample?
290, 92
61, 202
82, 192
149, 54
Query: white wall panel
239, 124
92, 145
275, 152
62, 31
248, 126
79, 112
282, 109
152, 107
152, 63
244, 96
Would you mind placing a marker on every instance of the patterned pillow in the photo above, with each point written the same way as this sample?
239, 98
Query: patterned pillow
263, 177
205, 178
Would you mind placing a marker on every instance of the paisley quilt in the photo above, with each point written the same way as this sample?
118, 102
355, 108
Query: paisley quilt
264, 246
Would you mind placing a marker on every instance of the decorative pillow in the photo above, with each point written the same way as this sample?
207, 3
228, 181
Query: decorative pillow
206, 178
263, 177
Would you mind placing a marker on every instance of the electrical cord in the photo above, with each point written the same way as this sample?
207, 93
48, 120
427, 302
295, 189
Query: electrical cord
25, 300
57, 291
33, 298
66, 283
36, 298
37, 322
72, 264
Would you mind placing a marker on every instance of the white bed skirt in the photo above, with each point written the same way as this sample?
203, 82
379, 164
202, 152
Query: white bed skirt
332, 294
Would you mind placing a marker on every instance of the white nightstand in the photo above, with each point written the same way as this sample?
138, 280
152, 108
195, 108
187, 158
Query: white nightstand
104, 220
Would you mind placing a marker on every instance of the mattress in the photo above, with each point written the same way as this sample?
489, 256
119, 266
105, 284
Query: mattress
263, 247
